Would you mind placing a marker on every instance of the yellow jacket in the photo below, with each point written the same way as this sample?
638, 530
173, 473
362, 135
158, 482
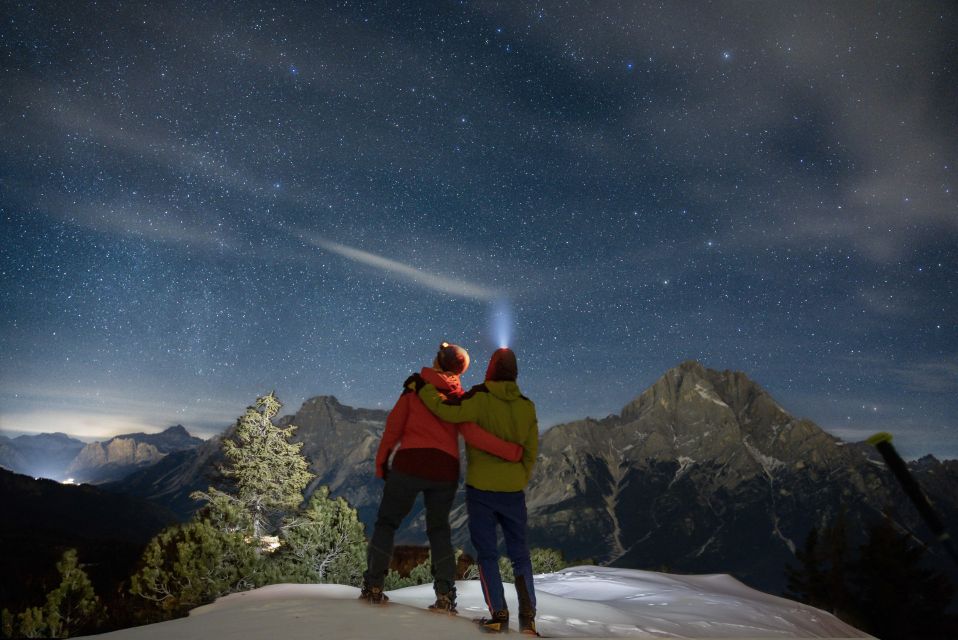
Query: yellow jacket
499, 408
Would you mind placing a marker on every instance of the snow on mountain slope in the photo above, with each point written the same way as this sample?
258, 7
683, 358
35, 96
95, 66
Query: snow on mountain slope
577, 602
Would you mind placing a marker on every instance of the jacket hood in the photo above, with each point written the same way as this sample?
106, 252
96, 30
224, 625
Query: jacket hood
442, 380
506, 390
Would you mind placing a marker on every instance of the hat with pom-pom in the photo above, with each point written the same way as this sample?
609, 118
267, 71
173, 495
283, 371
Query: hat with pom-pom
452, 358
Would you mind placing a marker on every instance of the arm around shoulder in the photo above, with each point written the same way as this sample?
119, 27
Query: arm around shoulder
464, 409
479, 438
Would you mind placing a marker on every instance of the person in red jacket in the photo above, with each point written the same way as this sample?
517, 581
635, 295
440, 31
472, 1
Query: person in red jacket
426, 460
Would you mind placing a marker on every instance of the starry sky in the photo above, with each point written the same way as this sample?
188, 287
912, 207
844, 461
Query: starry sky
202, 202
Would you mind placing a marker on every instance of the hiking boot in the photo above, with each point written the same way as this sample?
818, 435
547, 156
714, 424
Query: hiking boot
498, 623
527, 625
445, 603
373, 595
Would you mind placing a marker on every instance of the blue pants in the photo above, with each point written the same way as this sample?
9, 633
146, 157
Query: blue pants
507, 510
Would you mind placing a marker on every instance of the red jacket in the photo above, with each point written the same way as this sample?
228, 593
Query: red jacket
411, 425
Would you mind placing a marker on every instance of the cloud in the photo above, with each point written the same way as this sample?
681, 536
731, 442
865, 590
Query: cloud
929, 377
88, 424
126, 217
104, 413
841, 142
402, 271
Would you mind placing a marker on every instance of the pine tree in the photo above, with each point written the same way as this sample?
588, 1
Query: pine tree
823, 577
6, 623
73, 605
31, 623
547, 560
195, 563
903, 599
394, 580
222, 550
543, 561
505, 569
325, 542
885, 590
269, 472
421, 574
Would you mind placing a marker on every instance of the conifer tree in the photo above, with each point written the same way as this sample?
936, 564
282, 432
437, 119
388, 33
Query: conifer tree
394, 580
195, 563
886, 590
823, 577
325, 542
543, 561
32, 623
902, 599
269, 471
420, 574
547, 560
73, 605
6, 623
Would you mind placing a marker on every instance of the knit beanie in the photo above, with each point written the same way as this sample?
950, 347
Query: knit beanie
502, 365
452, 358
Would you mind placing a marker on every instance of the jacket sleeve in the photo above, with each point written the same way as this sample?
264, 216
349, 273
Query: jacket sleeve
479, 438
464, 409
395, 426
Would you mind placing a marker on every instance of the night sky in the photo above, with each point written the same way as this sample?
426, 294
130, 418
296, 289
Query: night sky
202, 202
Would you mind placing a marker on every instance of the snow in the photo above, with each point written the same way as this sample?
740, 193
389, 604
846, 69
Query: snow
582, 602
685, 463
709, 395
768, 463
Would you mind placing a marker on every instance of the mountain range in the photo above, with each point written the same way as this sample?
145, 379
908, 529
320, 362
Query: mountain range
59, 457
45, 455
702, 472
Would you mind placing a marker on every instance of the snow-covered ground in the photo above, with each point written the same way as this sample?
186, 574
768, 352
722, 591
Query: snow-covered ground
578, 602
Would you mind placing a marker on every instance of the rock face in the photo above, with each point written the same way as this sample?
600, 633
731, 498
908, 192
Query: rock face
100, 462
119, 451
170, 481
340, 442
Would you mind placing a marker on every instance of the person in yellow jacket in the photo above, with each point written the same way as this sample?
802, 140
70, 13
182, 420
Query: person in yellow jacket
495, 487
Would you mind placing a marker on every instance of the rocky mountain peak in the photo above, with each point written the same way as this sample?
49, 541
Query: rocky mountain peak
690, 394
327, 413
319, 411
687, 381
177, 430
322, 401
693, 413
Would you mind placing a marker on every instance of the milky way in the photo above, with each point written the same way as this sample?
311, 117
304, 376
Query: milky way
202, 202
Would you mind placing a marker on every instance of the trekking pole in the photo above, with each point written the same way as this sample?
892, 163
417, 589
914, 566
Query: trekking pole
882, 442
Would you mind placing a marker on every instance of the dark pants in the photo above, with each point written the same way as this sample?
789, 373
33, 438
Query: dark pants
507, 510
399, 495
